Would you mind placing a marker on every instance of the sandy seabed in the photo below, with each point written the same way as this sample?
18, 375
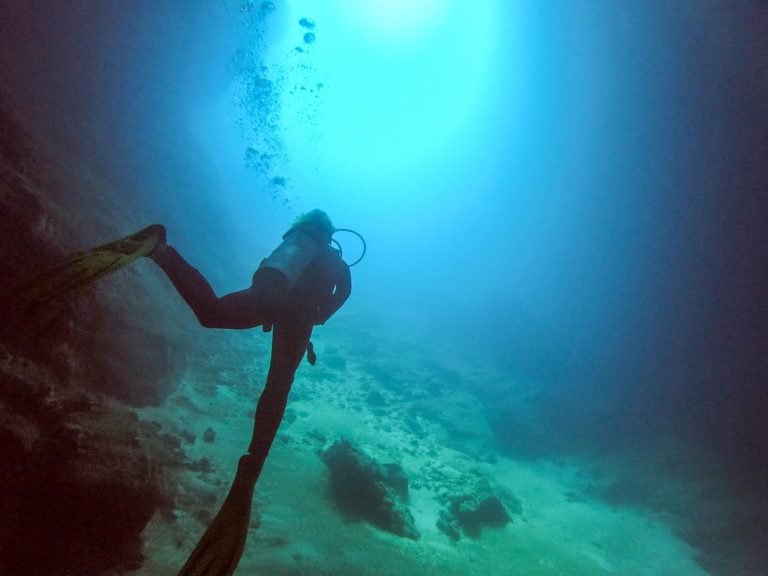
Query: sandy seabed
297, 529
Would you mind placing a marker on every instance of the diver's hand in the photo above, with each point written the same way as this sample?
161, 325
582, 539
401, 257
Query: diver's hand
311, 356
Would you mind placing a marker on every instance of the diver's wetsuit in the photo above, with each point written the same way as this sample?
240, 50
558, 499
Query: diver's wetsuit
292, 303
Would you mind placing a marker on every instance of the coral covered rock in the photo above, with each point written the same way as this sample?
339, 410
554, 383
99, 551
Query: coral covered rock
364, 489
470, 512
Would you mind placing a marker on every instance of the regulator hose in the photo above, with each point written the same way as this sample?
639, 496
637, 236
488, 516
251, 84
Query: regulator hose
365, 247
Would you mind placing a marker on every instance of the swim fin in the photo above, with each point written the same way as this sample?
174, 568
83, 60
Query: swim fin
219, 550
84, 268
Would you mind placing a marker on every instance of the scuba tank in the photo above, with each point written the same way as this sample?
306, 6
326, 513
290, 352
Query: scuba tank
299, 247
293, 255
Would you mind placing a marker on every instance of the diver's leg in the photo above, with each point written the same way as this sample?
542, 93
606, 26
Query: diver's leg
219, 550
243, 309
289, 343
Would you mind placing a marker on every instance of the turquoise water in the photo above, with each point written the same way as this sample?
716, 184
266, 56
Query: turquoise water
560, 312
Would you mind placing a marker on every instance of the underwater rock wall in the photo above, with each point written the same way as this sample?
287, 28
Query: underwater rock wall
77, 488
77, 485
52, 207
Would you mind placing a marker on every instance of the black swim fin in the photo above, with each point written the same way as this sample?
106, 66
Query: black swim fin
219, 550
84, 268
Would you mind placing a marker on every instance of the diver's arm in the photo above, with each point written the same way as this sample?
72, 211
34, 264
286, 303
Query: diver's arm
340, 294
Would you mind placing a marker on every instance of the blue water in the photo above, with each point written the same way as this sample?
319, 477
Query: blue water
568, 195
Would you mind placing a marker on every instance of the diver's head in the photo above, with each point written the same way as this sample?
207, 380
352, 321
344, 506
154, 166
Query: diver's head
317, 223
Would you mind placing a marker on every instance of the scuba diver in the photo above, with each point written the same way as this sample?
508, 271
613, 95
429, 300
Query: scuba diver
301, 284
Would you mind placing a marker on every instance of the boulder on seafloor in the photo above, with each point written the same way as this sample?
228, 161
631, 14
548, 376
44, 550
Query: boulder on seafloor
483, 507
209, 435
363, 489
463, 418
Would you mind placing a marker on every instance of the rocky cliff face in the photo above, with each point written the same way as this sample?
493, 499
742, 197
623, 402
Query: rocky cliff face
77, 484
